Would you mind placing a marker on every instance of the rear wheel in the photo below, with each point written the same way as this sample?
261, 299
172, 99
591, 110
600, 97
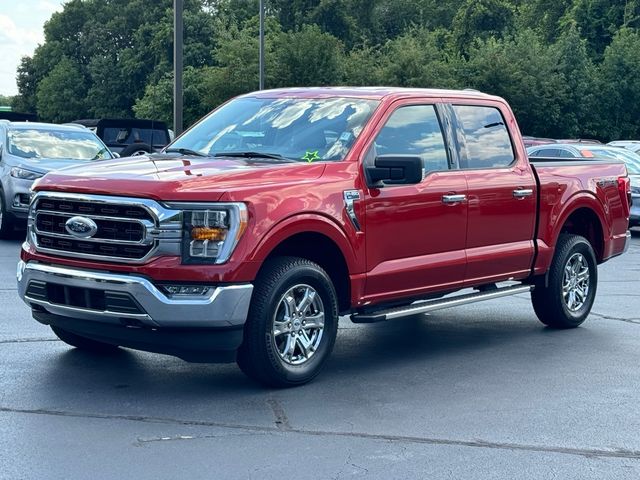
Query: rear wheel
136, 149
566, 300
292, 323
83, 343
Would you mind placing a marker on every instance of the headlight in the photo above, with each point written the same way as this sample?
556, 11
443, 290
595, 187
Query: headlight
25, 174
211, 231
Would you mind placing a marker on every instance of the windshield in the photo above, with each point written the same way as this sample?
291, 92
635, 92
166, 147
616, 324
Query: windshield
56, 144
301, 129
631, 160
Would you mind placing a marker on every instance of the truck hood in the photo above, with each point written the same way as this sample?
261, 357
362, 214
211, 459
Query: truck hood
177, 178
44, 165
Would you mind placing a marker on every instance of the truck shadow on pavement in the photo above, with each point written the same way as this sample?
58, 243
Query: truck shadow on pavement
417, 347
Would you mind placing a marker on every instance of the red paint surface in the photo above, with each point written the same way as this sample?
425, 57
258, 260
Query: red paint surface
411, 243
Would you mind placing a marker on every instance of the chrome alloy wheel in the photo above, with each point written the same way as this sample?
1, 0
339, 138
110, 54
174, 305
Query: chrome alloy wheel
298, 324
575, 282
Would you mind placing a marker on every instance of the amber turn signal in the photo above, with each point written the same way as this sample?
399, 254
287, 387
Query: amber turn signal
207, 233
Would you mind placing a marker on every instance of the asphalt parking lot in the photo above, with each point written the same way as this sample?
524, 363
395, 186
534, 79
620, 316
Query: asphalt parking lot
478, 392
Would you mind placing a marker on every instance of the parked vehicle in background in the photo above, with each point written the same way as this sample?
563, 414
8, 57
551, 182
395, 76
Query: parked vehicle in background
129, 137
633, 145
28, 151
17, 116
579, 140
283, 209
531, 141
588, 150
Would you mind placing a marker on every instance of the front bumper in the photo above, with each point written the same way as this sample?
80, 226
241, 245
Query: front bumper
130, 310
224, 306
17, 197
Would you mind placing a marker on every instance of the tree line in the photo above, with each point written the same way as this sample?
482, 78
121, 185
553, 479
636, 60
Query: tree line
569, 68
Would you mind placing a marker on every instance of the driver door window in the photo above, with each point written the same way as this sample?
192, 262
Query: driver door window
413, 130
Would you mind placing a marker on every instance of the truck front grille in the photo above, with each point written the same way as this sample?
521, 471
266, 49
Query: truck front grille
104, 228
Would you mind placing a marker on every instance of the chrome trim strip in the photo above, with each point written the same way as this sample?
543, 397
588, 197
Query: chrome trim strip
225, 306
350, 196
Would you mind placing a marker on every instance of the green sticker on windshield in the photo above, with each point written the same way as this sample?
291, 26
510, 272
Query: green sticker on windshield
310, 156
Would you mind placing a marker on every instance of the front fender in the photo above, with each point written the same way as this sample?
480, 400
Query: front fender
352, 248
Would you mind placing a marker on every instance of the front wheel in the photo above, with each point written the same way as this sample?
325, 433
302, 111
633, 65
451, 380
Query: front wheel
566, 300
292, 323
6, 221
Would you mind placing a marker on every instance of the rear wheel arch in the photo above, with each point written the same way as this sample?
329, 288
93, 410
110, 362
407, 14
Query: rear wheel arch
584, 221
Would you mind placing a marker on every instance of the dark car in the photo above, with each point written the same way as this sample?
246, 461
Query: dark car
129, 137
590, 150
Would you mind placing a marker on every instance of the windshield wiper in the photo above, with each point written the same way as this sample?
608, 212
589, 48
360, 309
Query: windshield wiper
274, 156
185, 151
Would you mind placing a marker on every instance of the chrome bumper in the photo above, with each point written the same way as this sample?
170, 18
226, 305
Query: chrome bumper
224, 306
627, 241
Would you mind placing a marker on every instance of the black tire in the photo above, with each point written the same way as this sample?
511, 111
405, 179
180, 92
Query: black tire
552, 305
136, 149
83, 343
6, 219
281, 358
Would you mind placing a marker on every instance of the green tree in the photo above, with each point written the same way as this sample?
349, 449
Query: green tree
308, 57
599, 20
481, 19
60, 95
619, 87
523, 71
418, 59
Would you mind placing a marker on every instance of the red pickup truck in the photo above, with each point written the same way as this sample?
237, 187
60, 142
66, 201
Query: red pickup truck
281, 210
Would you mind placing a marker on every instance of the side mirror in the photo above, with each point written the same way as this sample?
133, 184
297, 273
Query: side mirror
394, 169
115, 154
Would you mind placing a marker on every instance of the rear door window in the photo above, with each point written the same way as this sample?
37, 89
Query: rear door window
483, 137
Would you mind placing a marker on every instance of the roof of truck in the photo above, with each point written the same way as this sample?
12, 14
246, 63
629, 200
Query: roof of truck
377, 93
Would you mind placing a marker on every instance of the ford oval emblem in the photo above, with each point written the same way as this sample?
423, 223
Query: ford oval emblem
81, 227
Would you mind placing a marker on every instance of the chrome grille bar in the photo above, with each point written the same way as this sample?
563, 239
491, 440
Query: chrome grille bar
130, 230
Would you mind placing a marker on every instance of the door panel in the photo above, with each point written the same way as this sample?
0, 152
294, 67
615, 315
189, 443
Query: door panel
501, 197
415, 242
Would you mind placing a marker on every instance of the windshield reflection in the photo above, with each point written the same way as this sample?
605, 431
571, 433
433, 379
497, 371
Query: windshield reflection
301, 129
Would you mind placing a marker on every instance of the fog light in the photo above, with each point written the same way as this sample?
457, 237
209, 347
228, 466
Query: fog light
186, 290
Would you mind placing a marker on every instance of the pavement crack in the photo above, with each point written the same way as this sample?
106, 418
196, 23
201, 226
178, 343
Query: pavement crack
282, 422
400, 439
635, 321
29, 340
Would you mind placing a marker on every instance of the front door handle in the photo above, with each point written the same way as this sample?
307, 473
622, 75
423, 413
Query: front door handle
453, 198
522, 192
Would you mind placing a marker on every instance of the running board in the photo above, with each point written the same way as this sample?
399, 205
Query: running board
431, 305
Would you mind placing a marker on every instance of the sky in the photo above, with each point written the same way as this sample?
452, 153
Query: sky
21, 30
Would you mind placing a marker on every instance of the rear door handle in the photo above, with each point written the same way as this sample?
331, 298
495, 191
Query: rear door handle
522, 192
453, 198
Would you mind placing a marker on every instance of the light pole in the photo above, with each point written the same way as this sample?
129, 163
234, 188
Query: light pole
261, 48
177, 66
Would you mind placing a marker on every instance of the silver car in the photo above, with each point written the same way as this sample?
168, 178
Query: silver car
584, 150
28, 151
